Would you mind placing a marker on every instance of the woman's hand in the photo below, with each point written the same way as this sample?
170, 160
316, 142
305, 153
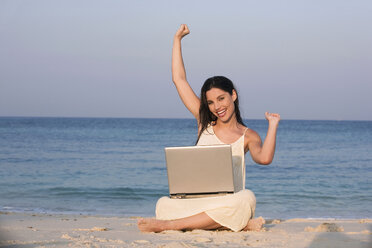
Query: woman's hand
273, 118
182, 31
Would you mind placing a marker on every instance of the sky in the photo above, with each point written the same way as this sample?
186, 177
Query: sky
73, 58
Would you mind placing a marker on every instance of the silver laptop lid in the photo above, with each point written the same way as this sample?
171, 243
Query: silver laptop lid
194, 170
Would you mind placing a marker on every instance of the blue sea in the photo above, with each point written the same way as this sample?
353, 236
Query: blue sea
116, 166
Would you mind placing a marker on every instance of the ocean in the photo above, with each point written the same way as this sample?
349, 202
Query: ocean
116, 166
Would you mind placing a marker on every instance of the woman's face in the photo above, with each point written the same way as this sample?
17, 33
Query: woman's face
221, 103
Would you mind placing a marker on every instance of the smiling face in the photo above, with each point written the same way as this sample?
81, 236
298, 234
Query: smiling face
221, 103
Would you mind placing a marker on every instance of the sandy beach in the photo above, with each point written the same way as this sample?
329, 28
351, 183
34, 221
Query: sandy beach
47, 230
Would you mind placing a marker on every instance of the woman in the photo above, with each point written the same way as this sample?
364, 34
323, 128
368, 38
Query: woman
219, 122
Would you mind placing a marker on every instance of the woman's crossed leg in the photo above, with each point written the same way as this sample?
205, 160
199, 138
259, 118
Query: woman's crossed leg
198, 221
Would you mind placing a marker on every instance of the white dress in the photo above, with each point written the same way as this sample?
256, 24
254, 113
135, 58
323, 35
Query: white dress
232, 211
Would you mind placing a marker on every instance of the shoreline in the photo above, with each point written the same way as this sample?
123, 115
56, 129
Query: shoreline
76, 230
118, 215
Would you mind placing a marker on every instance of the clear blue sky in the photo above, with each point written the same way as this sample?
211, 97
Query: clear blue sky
303, 59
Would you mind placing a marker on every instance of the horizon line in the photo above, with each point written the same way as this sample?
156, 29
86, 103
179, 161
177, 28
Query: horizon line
181, 118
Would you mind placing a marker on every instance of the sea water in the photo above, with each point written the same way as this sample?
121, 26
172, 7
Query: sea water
116, 166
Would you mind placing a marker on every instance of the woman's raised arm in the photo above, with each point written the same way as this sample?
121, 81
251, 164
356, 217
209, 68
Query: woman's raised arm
264, 153
184, 89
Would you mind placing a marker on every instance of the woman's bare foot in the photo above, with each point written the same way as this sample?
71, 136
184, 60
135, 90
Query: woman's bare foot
254, 224
152, 225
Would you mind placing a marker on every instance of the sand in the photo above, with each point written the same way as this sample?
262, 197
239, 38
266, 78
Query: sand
45, 230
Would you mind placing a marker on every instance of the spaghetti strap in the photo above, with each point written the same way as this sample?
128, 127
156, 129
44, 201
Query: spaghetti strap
246, 128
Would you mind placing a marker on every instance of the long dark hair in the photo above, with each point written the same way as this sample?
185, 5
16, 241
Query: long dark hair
206, 117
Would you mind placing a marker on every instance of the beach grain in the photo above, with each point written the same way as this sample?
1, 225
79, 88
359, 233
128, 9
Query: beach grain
53, 230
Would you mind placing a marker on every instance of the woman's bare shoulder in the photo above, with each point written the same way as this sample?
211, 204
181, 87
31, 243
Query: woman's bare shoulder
251, 135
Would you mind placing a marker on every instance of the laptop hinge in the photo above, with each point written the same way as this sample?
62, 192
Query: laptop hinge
197, 195
178, 196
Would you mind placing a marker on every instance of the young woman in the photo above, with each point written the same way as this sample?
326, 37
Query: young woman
219, 122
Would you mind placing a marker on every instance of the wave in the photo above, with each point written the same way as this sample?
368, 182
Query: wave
106, 193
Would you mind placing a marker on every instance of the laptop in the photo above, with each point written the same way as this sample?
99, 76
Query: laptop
199, 171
